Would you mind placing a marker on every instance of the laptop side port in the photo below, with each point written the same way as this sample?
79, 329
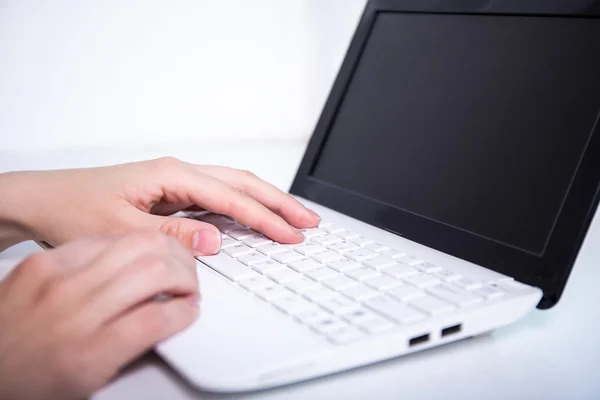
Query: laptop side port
418, 340
451, 330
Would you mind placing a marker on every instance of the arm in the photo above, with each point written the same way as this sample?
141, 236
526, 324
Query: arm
13, 228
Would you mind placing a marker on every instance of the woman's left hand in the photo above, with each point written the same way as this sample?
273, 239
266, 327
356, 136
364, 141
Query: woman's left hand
63, 205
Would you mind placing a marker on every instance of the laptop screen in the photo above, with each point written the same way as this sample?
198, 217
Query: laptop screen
475, 122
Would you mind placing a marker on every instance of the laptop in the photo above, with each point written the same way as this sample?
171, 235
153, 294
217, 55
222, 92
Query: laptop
456, 168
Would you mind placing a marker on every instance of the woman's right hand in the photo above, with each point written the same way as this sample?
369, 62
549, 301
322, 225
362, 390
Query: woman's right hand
72, 317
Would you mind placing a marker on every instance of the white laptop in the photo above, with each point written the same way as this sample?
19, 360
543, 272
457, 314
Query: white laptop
456, 166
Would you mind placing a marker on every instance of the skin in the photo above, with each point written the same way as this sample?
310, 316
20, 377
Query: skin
79, 313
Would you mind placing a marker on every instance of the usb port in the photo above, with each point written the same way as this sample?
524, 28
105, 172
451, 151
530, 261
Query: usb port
418, 340
451, 330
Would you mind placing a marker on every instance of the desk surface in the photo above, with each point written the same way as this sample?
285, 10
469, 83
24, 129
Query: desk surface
548, 354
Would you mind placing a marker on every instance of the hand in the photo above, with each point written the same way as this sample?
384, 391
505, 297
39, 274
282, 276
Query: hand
73, 316
60, 206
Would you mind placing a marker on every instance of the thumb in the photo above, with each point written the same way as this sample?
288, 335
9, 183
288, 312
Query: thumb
199, 237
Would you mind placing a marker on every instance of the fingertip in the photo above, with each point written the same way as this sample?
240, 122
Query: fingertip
294, 236
206, 241
194, 300
314, 214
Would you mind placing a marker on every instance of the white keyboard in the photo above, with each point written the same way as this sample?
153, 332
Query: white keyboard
341, 284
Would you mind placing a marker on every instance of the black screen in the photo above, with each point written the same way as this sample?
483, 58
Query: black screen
475, 121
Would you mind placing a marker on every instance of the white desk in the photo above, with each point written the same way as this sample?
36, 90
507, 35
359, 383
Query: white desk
549, 354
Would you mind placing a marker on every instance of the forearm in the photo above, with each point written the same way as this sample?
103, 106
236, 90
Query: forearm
13, 195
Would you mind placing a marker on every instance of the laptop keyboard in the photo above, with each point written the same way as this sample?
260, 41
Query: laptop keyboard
343, 285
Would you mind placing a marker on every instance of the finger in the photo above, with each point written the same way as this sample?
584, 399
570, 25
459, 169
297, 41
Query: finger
200, 238
43, 268
219, 197
137, 282
78, 253
123, 252
276, 200
138, 331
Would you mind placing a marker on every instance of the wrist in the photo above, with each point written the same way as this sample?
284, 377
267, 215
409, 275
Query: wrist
15, 227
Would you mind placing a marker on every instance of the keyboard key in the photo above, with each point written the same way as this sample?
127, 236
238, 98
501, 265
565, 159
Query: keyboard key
360, 292
407, 259
448, 276
380, 262
272, 248
339, 305
302, 285
324, 224
347, 235
383, 282
421, 280
215, 219
346, 335
327, 257
369, 321
267, 266
359, 316
328, 325
489, 292
228, 242
229, 227
342, 247
339, 282
377, 247
252, 258
363, 273
332, 228
309, 248
256, 240
394, 309
467, 284
255, 282
272, 292
377, 325
283, 275
345, 264
454, 295
361, 254
313, 232
238, 250
399, 271
361, 241
431, 305
428, 267
287, 257
304, 265
312, 315
228, 266
292, 304
406, 292
511, 286
240, 234
321, 273
391, 253
328, 239
319, 294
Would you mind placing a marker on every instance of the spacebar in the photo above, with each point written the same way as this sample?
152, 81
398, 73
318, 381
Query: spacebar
227, 266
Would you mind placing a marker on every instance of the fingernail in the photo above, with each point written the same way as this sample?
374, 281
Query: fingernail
206, 241
300, 234
314, 214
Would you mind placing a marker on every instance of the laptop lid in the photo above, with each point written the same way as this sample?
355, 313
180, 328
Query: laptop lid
470, 127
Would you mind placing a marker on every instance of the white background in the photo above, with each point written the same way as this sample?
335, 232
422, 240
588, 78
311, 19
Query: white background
80, 74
